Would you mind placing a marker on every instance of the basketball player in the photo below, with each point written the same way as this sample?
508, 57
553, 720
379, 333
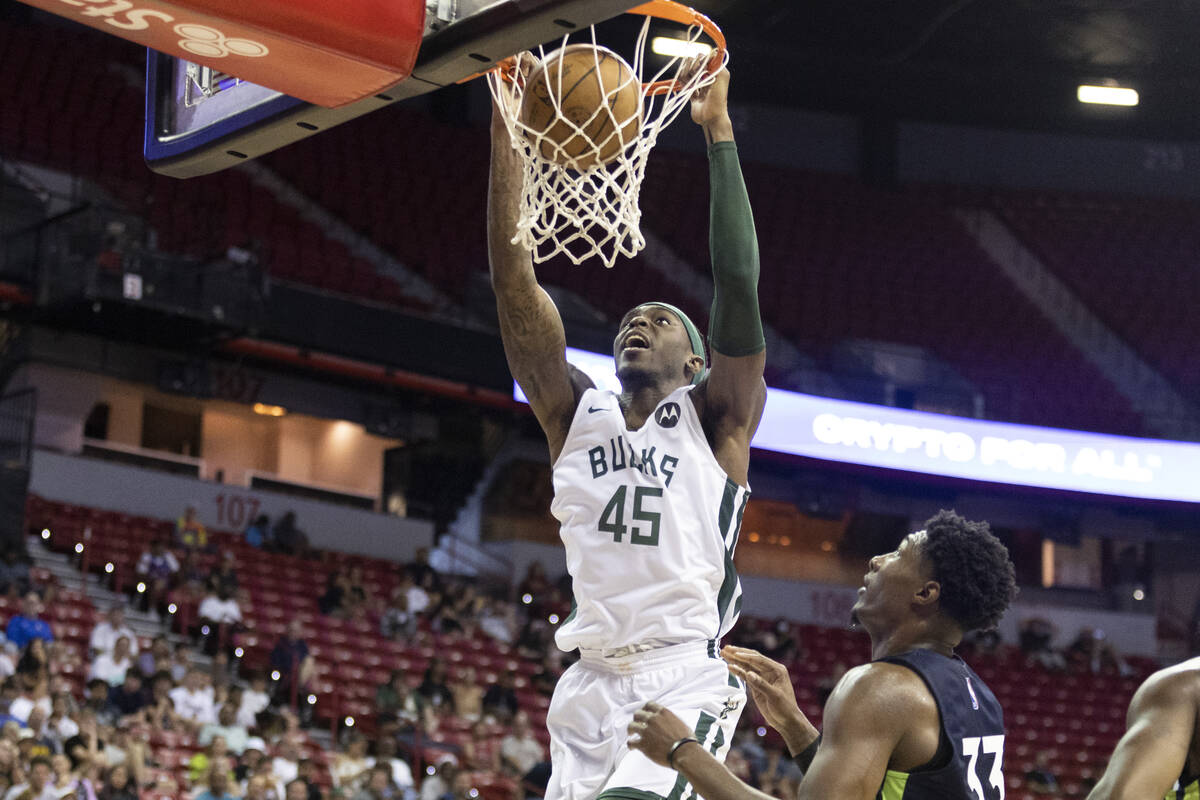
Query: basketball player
916, 723
649, 484
1159, 755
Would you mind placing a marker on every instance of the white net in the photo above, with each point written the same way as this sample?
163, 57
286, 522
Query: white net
579, 195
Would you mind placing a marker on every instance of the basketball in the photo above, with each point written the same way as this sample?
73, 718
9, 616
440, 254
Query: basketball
582, 106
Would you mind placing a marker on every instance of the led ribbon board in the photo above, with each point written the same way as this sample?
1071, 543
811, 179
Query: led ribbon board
958, 447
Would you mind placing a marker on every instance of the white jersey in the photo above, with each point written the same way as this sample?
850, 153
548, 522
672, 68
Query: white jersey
649, 521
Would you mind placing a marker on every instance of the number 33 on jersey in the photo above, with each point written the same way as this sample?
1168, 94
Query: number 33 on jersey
649, 522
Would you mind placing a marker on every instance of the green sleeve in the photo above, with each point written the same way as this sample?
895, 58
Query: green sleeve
735, 327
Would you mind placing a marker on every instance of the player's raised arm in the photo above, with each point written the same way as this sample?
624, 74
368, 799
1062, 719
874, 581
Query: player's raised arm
1150, 756
530, 325
734, 392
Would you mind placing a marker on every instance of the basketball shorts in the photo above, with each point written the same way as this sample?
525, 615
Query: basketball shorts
595, 701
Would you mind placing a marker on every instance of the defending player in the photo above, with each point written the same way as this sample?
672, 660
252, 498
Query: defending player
1159, 755
649, 485
915, 723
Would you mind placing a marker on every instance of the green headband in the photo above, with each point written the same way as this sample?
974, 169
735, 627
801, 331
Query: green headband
693, 335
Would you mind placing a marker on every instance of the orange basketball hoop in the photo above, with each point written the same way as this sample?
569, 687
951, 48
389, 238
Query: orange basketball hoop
586, 205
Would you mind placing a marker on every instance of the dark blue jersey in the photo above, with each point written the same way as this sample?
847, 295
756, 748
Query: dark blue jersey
970, 756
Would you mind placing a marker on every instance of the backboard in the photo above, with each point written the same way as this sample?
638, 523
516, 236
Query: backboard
200, 120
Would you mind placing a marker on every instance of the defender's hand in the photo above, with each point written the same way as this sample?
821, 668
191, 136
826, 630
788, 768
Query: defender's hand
654, 729
770, 686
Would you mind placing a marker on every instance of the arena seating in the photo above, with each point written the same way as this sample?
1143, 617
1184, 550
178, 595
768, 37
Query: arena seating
1132, 260
1076, 718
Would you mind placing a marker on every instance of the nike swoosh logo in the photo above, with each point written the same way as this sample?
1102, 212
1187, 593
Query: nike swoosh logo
594, 410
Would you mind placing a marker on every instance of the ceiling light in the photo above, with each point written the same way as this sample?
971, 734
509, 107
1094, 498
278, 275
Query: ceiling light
1107, 95
671, 47
269, 411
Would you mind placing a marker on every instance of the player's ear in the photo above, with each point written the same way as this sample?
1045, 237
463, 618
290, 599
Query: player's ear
694, 365
929, 593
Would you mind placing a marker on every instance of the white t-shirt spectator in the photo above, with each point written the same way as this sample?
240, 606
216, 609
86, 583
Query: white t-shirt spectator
252, 703
23, 706
107, 669
218, 610
104, 638
524, 753
401, 773
197, 706
418, 600
235, 736
284, 769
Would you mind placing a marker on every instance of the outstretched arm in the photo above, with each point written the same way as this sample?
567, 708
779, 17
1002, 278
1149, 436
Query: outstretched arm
1150, 756
530, 326
734, 391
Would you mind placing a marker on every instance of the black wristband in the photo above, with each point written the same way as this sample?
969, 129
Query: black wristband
676, 746
805, 757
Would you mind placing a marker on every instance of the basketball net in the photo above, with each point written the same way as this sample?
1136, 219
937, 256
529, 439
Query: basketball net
594, 213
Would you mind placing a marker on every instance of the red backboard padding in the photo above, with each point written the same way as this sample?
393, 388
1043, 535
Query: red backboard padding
327, 52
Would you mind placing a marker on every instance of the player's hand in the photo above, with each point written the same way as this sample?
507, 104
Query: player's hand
710, 104
770, 686
654, 729
522, 66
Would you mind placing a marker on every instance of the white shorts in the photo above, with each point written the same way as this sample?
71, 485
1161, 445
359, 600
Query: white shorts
595, 701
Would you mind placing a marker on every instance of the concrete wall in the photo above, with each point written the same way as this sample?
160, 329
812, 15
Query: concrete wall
91, 482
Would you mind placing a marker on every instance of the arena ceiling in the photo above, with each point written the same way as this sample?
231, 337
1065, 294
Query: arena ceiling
1014, 63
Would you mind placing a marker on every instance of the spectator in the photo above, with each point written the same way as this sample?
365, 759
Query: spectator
535, 584
156, 568
64, 780
190, 532
118, 784
349, 768
28, 625
105, 634
356, 598
433, 690
438, 785
130, 697
297, 790
308, 776
461, 788
285, 766
498, 619
254, 701
193, 700
156, 657
547, 677
501, 697
1035, 637
219, 782
825, 685
34, 662
523, 756
468, 695
1092, 651
416, 598
225, 577
96, 702
396, 622
34, 693
38, 786
259, 787
481, 750
220, 608
111, 667
14, 570
337, 587
181, 663
160, 711
385, 756
291, 657
215, 752
226, 727
60, 724
422, 573
258, 533
1041, 779
377, 785
392, 698
289, 539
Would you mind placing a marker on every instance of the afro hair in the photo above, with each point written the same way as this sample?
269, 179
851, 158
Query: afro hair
973, 568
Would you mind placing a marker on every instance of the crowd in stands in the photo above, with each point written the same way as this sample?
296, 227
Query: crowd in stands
186, 716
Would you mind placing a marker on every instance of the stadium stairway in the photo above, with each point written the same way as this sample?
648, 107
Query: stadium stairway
1165, 411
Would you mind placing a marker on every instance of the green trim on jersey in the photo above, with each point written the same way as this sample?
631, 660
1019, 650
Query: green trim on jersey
725, 517
628, 793
893, 786
703, 726
1190, 791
